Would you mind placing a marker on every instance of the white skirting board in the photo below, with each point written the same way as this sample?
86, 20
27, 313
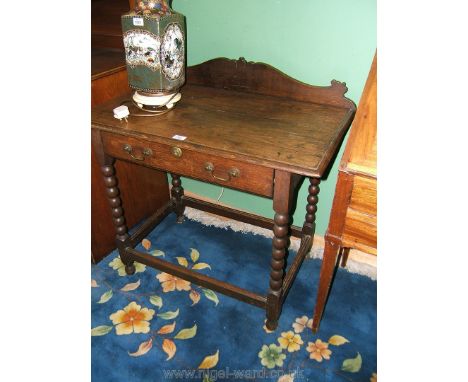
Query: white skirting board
358, 262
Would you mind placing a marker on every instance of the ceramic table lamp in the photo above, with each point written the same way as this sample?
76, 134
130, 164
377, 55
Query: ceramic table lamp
154, 41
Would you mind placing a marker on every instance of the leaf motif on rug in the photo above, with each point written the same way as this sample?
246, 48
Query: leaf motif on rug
156, 300
146, 244
209, 361
166, 329
194, 255
105, 297
169, 348
144, 348
337, 340
101, 330
169, 315
210, 295
185, 334
130, 286
194, 296
352, 365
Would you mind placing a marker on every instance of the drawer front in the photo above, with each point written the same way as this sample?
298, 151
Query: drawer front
360, 229
364, 196
225, 172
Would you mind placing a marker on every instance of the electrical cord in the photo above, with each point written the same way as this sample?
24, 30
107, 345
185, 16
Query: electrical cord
221, 194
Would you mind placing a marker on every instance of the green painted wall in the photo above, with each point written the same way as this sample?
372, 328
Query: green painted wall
313, 41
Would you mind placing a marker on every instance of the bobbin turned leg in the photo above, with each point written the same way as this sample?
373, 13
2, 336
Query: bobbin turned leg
281, 205
113, 196
311, 208
309, 229
177, 192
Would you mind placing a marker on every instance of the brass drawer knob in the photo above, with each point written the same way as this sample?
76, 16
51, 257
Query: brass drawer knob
176, 151
147, 152
233, 172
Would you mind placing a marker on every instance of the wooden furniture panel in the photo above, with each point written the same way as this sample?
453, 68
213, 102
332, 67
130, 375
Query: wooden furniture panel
364, 195
360, 155
291, 136
106, 30
141, 188
360, 228
108, 74
353, 219
233, 114
250, 178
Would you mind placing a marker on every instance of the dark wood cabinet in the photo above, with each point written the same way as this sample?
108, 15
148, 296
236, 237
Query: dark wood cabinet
142, 189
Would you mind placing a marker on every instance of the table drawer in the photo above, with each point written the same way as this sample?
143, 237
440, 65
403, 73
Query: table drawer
210, 168
359, 229
364, 196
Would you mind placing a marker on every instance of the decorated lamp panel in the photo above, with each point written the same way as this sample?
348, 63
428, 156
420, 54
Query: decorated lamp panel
154, 50
172, 51
142, 48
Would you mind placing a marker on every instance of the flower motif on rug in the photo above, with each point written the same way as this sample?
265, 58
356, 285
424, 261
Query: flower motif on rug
135, 318
301, 323
290, 341
132, 319
171, 283
271, 356
318, 350
148, 313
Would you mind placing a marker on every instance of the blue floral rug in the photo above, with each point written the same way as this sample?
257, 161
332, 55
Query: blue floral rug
153, 327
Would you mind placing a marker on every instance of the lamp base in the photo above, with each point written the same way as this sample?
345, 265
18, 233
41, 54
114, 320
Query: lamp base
157, 101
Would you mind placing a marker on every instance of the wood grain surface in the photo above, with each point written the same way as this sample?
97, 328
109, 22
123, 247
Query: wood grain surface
251, 178
106, 30
142, 190
265, 129
361, 153
353, 219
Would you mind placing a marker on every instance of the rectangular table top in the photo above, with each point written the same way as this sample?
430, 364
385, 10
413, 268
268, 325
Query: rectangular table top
300, 137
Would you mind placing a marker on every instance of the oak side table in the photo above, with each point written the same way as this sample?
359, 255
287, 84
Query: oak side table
248, 127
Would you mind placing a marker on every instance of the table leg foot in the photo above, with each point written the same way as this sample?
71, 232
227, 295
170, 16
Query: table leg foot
330, 256
130, 269
271, 324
